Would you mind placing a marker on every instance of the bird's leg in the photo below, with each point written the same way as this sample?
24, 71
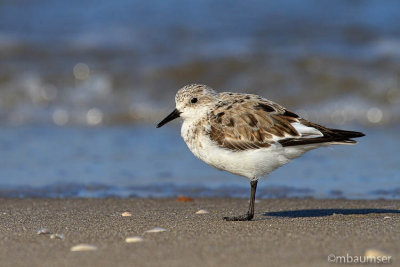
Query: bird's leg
250, 213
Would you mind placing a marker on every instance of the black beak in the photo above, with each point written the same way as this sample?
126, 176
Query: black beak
174, 114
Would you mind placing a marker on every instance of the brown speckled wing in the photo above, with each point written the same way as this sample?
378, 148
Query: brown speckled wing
242, 122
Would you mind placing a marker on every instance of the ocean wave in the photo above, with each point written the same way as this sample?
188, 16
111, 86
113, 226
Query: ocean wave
327, 90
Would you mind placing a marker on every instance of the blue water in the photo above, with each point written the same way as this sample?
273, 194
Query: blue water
107, 71
325, 57
143, 161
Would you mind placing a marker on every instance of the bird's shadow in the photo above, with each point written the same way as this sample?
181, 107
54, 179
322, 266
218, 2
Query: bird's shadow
327, 212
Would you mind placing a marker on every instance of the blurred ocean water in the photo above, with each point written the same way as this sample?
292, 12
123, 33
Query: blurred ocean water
143, 161
83, 82
336, 61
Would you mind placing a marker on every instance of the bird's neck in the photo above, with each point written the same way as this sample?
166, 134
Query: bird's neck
191, 129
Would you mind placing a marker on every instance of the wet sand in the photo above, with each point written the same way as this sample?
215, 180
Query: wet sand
301, 232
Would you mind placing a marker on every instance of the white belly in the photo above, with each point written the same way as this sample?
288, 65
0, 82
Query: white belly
253, 163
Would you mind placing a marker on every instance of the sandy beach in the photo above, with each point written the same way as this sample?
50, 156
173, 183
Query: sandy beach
301, 232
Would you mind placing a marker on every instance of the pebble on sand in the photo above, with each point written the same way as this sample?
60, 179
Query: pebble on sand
374, 253
57, 236
83, 247
156, 230
133, 239
126, 214
43, 231
185, 199
202, 212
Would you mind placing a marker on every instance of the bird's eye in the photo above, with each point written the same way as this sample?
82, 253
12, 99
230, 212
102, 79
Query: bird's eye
193, 100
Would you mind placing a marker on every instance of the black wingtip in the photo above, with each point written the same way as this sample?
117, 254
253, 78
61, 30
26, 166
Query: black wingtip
348, 134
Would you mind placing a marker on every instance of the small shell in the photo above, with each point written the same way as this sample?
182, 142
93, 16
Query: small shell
387, 217
133, 239
202, 212
126, 214
57, 236
156, 230
83, 247
43, 231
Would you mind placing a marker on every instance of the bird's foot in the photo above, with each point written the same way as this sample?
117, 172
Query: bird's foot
244, 217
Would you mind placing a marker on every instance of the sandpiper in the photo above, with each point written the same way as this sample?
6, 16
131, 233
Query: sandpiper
246, 134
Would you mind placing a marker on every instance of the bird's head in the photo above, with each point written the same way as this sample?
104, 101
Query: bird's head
192, 102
